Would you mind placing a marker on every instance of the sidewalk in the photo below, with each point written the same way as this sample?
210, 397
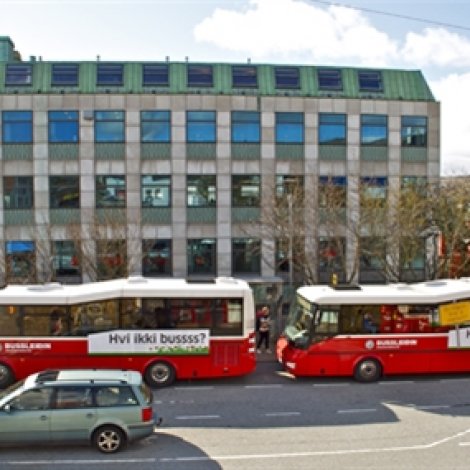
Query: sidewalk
264, 356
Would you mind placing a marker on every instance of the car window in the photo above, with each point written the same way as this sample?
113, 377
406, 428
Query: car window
35, 399
74, 397
115, 396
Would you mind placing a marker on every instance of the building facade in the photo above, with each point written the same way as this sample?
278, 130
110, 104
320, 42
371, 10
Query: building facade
168, 168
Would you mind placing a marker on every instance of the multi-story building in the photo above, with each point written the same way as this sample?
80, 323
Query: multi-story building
167, 168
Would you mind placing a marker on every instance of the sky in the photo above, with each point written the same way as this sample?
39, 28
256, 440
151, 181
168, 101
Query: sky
430, 35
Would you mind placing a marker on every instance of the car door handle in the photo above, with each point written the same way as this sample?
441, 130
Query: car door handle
43, 417
90, 415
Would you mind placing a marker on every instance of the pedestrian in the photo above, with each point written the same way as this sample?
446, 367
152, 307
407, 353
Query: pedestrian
263, 327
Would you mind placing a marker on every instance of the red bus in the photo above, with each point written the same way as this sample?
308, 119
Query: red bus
373, 330
166, 329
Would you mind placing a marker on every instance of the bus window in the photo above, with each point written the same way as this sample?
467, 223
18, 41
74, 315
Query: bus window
328, 322
10, 320
95, 316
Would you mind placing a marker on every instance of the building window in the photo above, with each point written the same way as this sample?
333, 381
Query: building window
110, 191
65, 258
17, 127
370, 81
20, 261
289, 128
201, 126
155, 75
18, 192
18, 74
110, 74
414, 131
332, 129
373, 191
244, 76
246, 127
246, 256
290, 186
290, 258
372, 254
63, 127
156, 258
329, 79
332, 192
109, 126
287, 77
246, 191
331, 257
64, 74
202, 256
374, 129
155, 126
200, 75
201, 190
156, 191
111, 258
64, 192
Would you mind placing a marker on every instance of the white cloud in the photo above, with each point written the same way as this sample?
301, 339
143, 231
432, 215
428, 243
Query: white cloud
437, 46
298, 31
293, 28
453, 91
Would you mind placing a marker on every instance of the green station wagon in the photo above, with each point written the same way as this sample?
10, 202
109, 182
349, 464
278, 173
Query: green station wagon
107, 408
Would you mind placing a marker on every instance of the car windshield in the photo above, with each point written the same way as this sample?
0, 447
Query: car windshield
299, 321
11, 389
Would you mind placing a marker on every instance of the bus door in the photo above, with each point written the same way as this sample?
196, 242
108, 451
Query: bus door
324, 350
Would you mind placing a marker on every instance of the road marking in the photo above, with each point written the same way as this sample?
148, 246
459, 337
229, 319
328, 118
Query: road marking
195, 387
431, 407
464, 443
264, 386
332, 385
396, 382
283, 413
219, 458
198, 417
358, 410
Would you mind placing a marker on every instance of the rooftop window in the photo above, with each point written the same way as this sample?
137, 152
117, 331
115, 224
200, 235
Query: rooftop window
64, 74
200, 75
244, 76
287, 77
110, 74
330, 79
18, 74
155, 74
370, 81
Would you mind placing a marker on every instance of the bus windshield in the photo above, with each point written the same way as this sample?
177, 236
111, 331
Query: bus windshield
299, 321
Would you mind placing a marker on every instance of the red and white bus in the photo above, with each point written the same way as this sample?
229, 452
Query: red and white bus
166, 329
373, 330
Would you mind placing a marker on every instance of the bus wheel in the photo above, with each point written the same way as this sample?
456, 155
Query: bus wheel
6, 376
368, 370
160, 374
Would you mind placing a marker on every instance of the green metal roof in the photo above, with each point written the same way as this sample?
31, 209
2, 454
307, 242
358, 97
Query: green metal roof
408, 85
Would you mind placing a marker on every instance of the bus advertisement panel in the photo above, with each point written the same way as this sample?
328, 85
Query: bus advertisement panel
373, 330
166, 329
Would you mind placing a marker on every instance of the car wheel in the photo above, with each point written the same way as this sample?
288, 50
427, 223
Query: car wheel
160, 374
109, 439
368, 370
6, 376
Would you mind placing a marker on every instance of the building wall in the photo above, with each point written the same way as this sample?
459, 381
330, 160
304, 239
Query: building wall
88, 165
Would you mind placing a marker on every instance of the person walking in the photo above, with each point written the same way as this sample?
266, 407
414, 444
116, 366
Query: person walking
264, 325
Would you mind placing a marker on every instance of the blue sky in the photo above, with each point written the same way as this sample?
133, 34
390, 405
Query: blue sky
267, 31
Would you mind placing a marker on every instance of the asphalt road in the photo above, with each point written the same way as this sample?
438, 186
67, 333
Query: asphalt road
271, 421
